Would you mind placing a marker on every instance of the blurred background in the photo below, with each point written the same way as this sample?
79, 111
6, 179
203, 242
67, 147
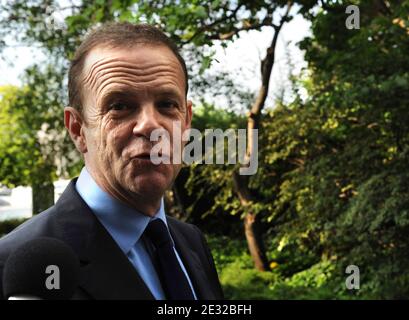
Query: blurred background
327, 88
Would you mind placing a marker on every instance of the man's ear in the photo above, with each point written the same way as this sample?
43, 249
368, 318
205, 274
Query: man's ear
74, 124
189, 113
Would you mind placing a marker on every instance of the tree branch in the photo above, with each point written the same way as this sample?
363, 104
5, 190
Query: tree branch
266, 68
211, 25
229, 35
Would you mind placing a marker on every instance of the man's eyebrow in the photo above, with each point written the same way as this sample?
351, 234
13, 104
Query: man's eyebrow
167, 92
118, 93
112, 95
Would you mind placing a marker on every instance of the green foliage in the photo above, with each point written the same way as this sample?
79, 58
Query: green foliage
241, 281
33, 142
333, 177
34, 147
375, 227
338, 185
227, 250
213, 181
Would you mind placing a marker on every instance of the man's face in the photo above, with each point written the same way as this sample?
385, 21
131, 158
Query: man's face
128, 93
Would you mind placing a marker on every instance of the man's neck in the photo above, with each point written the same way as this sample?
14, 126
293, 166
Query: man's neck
143, 204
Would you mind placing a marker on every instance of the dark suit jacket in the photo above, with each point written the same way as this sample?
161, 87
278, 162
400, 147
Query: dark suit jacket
106, 273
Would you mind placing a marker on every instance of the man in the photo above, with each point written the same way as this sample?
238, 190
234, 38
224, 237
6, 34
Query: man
125, 81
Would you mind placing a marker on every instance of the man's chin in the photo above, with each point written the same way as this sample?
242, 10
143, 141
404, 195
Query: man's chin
151, 184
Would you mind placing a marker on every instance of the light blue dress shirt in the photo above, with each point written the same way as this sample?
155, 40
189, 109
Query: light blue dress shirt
126, 226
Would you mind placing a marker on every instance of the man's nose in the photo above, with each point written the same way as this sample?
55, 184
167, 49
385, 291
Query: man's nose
147, 120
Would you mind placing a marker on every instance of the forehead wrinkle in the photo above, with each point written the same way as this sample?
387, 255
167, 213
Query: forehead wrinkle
138, 73
102, 82
130, 85
95, 66
126, 63
136, 77
103, 69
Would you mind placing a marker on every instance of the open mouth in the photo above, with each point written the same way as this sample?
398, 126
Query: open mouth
156, 159
143, 156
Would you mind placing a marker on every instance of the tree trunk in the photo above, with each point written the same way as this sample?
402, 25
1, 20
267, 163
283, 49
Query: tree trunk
42, 196
252, 232
255, 242
251, 225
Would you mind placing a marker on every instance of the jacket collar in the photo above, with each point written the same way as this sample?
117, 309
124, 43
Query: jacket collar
104, 265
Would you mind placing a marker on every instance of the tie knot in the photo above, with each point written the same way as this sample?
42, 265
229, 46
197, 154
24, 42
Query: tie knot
158, 233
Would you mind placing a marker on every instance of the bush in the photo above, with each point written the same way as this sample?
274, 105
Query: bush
240, 280
244, 283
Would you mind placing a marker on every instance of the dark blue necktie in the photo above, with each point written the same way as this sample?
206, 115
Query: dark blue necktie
174, 281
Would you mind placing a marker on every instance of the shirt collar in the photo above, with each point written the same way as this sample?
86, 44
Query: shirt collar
125, 224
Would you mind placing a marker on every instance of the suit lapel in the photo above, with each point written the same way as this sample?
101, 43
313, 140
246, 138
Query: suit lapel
106, 273
192, 264
109, 274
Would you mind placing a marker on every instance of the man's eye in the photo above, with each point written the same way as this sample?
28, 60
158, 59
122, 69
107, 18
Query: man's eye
167, 104
119, 106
